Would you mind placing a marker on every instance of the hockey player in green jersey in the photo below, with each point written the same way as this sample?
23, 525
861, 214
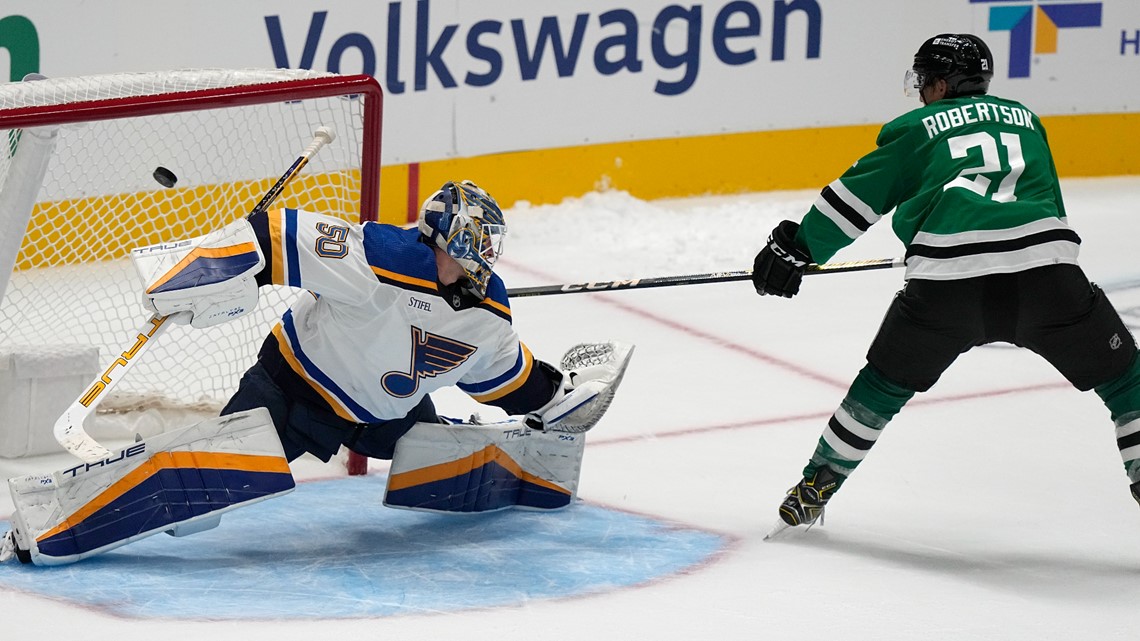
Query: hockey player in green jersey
989, 257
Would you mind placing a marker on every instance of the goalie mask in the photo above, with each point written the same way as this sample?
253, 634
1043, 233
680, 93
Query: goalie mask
466, 222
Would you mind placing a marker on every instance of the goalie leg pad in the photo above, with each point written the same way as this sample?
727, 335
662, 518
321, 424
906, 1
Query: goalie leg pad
179, 482
482, 468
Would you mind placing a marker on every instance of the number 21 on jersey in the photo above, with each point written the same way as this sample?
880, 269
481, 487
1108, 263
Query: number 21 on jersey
971, 178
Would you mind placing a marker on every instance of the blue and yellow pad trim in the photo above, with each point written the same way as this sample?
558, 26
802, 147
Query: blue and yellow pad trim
206, 266
481, 468
484, 481
170, 488
180, 482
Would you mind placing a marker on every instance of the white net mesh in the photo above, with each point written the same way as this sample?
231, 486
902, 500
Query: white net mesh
72, 282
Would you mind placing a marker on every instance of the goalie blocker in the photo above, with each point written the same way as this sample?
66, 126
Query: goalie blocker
211, 276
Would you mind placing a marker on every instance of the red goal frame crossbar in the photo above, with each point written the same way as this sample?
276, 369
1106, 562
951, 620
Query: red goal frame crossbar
236, 96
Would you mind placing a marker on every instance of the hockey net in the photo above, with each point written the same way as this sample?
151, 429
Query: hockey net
227, 135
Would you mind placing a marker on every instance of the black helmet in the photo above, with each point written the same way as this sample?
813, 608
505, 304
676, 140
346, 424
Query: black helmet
961, 59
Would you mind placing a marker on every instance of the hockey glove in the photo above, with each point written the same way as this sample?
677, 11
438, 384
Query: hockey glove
211, 278
591, 375
780, 266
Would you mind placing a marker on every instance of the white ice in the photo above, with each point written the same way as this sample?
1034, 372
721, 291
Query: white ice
994, 507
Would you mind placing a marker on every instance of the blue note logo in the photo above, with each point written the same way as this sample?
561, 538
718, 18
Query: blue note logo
1033, 26
432, 355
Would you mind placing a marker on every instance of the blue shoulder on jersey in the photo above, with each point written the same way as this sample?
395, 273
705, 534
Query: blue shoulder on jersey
398, 258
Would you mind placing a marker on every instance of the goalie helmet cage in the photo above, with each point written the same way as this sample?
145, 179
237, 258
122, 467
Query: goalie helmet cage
226, 135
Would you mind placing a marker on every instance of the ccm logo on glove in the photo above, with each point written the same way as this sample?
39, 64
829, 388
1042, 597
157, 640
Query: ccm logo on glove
780, 265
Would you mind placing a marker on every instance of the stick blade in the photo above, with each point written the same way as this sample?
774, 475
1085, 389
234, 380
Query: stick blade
71, 435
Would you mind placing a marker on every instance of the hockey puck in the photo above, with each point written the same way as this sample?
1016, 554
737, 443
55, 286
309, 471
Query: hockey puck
164, 177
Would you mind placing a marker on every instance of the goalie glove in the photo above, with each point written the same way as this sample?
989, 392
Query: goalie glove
211, 277
591, 375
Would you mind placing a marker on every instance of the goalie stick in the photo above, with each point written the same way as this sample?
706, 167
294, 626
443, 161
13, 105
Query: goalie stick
68, 428
697, 279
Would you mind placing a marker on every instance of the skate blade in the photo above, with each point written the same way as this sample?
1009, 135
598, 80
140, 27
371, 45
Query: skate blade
776, 530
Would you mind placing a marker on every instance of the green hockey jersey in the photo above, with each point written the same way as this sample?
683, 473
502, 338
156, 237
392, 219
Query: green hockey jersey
973, 187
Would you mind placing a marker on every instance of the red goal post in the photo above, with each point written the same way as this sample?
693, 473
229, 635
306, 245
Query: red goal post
77, 192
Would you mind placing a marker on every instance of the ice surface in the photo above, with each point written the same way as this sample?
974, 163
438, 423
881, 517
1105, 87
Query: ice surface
993, 507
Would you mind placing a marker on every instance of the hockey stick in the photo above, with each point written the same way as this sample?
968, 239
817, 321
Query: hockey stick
697, 279
68, 428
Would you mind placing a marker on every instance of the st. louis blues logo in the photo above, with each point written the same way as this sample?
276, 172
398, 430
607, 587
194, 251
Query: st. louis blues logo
432, 355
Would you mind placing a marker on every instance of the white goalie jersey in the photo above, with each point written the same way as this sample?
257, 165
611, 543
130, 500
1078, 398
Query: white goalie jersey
376, 332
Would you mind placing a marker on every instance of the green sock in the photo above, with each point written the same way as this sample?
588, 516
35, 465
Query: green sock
871, 402
1121, 396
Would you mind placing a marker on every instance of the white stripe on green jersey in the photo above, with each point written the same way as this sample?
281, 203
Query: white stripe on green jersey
972, 187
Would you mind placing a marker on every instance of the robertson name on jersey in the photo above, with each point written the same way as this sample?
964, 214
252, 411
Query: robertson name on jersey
972, 185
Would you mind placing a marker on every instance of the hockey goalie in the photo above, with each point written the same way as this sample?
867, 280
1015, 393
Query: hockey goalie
387, 316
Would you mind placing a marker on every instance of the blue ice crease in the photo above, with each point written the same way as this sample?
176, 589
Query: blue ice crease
332, 550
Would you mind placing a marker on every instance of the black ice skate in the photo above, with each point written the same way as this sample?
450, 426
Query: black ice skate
805, 501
